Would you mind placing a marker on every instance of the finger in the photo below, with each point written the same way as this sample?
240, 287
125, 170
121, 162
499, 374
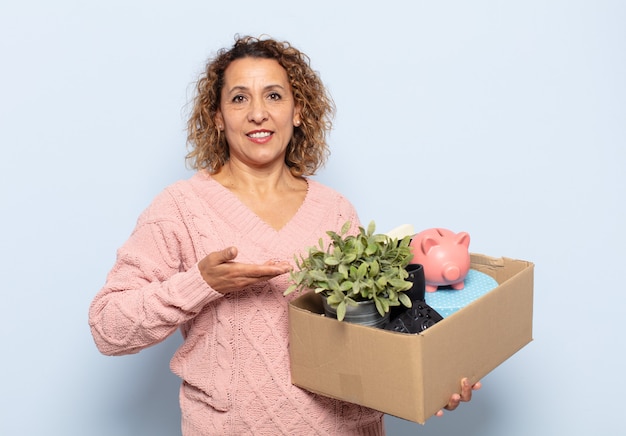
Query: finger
454, 402
466, 390
465, 395
218, 257
252, 277
228, 254
278, 267
265, 271
278, 263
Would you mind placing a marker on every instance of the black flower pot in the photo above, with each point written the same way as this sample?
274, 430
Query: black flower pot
420, 316
417, 291
416, 276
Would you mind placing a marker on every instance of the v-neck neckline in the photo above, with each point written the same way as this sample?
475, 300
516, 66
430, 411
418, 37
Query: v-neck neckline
228, 209
233, 204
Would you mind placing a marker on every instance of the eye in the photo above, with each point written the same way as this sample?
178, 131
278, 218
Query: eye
274, 96
238, 99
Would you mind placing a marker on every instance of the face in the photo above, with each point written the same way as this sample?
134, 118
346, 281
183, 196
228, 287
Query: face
257, 112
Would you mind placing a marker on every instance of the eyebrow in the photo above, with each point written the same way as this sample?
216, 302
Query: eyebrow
238, 88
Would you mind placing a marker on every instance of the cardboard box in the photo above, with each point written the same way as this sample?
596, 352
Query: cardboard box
412, 376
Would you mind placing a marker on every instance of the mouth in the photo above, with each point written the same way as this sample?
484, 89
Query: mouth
259, 134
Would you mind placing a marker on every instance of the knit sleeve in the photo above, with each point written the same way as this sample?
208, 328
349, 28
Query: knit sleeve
154, 286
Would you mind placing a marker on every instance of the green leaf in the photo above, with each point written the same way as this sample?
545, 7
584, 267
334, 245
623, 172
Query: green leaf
333, 284
353, 272
381, 239
349, 257
344, 270
362, 271
385, 304
350, 302
404, 299
341, 311
345, 286
290, 289
345, 228
317, 275
374, 269
334, 299
400, 284
317, 262
405, 241
297, 276
330, 260
381, 282
379, 307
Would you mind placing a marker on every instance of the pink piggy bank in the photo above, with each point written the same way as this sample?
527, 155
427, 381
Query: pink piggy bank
444, 256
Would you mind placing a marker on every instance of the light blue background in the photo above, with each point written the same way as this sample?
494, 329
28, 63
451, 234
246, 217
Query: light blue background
503, 119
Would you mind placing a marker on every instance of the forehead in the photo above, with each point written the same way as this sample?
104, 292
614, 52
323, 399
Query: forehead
250, 71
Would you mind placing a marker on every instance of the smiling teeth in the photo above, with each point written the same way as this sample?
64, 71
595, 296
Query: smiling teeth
259, 135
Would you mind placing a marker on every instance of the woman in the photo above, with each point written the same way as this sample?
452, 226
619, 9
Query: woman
258, 128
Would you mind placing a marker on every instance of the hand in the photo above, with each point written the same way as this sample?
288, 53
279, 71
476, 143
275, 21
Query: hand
225, 276
466, 395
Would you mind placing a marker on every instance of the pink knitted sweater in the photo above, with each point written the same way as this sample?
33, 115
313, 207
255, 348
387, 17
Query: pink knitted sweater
234, 361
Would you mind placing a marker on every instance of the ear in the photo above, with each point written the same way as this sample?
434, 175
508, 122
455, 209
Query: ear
428, 243
463, 238
219, 120
297, 120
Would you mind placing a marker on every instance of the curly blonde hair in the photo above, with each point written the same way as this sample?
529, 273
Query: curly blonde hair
307, 151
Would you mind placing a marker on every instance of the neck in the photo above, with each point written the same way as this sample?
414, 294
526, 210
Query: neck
243, 178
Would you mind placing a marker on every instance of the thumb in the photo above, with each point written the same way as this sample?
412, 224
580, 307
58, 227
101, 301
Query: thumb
228, 254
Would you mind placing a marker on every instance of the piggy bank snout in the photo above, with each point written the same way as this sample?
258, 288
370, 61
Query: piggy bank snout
451, 272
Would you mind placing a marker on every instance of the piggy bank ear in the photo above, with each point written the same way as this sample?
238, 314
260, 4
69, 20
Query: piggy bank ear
463, 238
428, 243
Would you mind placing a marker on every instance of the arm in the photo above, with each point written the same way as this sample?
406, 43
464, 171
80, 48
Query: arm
157, 284
147, 294
153, 288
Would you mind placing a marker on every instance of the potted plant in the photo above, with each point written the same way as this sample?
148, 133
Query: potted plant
356, 270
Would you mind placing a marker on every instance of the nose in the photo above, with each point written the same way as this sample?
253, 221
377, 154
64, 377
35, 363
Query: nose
258, 112
451, 272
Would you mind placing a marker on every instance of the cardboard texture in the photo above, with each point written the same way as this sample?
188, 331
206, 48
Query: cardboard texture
412, 376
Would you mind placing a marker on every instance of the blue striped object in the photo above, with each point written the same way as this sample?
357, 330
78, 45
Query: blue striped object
446, 300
